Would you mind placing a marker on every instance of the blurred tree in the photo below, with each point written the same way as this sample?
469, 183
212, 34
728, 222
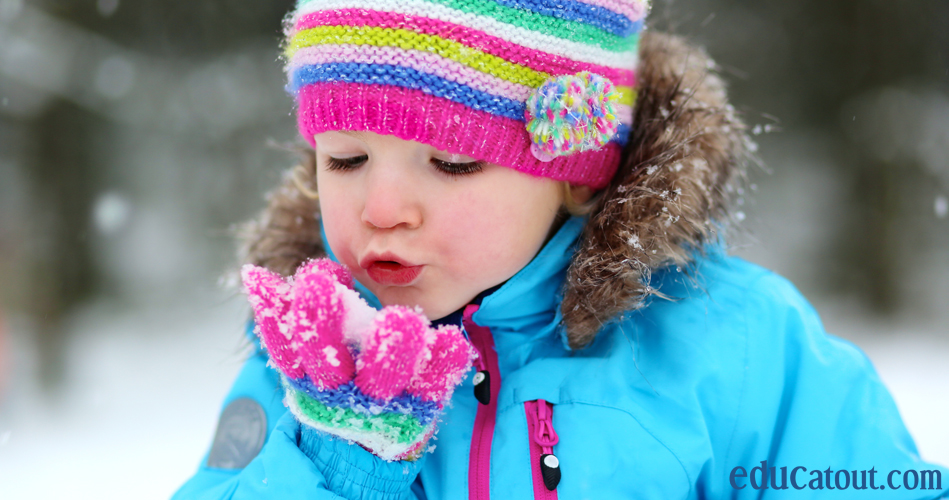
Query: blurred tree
176, 29
60, 160
804, 62
62, 269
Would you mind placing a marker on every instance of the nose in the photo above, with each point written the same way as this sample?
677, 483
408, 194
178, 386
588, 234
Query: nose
392, 198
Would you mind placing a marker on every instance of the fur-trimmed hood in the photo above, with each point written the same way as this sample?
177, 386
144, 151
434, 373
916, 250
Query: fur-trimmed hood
670, 196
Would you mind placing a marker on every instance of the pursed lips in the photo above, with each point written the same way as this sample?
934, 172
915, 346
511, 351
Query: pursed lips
389, 269
372, 257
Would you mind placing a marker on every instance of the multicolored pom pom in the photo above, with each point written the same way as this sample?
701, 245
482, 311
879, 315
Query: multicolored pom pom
571, 113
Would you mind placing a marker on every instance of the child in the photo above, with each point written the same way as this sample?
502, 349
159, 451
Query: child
542, 183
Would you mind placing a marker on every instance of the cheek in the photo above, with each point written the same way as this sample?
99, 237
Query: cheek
473, 233
340, 221
493, 233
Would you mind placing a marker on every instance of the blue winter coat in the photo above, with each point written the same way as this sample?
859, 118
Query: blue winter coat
682, 399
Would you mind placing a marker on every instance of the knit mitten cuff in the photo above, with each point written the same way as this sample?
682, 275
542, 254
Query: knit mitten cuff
344, 465
394, 429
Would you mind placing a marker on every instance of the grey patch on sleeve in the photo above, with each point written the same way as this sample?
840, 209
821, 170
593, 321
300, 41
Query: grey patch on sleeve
240, 434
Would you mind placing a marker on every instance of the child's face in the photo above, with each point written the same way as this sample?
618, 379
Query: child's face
416, 235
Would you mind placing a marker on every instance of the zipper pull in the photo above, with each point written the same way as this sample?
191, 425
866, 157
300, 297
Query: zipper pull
482, 379
546, 437
482, 386
550, 470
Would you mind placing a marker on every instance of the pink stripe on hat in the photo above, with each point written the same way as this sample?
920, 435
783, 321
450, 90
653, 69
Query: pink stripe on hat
413, 115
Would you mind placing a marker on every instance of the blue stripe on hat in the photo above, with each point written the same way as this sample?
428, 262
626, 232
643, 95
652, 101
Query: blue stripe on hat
572, 10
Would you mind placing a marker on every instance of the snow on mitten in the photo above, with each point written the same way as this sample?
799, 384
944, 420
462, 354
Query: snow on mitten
379, 378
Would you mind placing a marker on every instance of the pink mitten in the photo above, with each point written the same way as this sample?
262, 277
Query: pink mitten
379, 378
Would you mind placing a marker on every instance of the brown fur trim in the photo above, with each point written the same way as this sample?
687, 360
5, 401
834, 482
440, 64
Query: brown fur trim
288, 231
687, 152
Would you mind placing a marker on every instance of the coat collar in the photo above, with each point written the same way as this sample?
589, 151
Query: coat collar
532, 296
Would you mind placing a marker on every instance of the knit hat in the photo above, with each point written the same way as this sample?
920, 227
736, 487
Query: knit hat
542, 86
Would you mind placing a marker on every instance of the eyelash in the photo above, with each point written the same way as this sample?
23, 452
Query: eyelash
448, 168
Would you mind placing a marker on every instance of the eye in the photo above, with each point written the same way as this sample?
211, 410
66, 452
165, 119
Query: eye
447, 167
344, 164
456, 169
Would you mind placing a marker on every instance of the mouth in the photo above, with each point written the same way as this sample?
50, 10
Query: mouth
389, 269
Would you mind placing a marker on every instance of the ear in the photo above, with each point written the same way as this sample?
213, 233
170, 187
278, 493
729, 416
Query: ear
581, 194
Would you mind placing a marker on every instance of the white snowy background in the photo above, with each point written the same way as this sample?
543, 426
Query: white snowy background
180, 148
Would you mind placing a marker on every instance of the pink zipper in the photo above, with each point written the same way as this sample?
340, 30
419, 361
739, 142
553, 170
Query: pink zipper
545, 467
479, 458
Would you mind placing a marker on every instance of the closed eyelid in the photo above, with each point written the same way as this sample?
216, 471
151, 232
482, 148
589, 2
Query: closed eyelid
452, 157
340, 141
342, 150
345, 154
456, 159
352, 133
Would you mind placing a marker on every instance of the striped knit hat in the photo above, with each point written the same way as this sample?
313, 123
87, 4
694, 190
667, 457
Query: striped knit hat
542, 86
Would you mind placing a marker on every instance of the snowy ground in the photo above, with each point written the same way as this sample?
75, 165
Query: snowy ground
144, 389
913, 361
138, 409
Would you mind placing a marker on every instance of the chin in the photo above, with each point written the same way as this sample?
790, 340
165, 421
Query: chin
433, 309
402, 296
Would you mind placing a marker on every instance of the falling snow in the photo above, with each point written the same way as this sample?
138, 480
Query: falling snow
941, 207
634, 242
